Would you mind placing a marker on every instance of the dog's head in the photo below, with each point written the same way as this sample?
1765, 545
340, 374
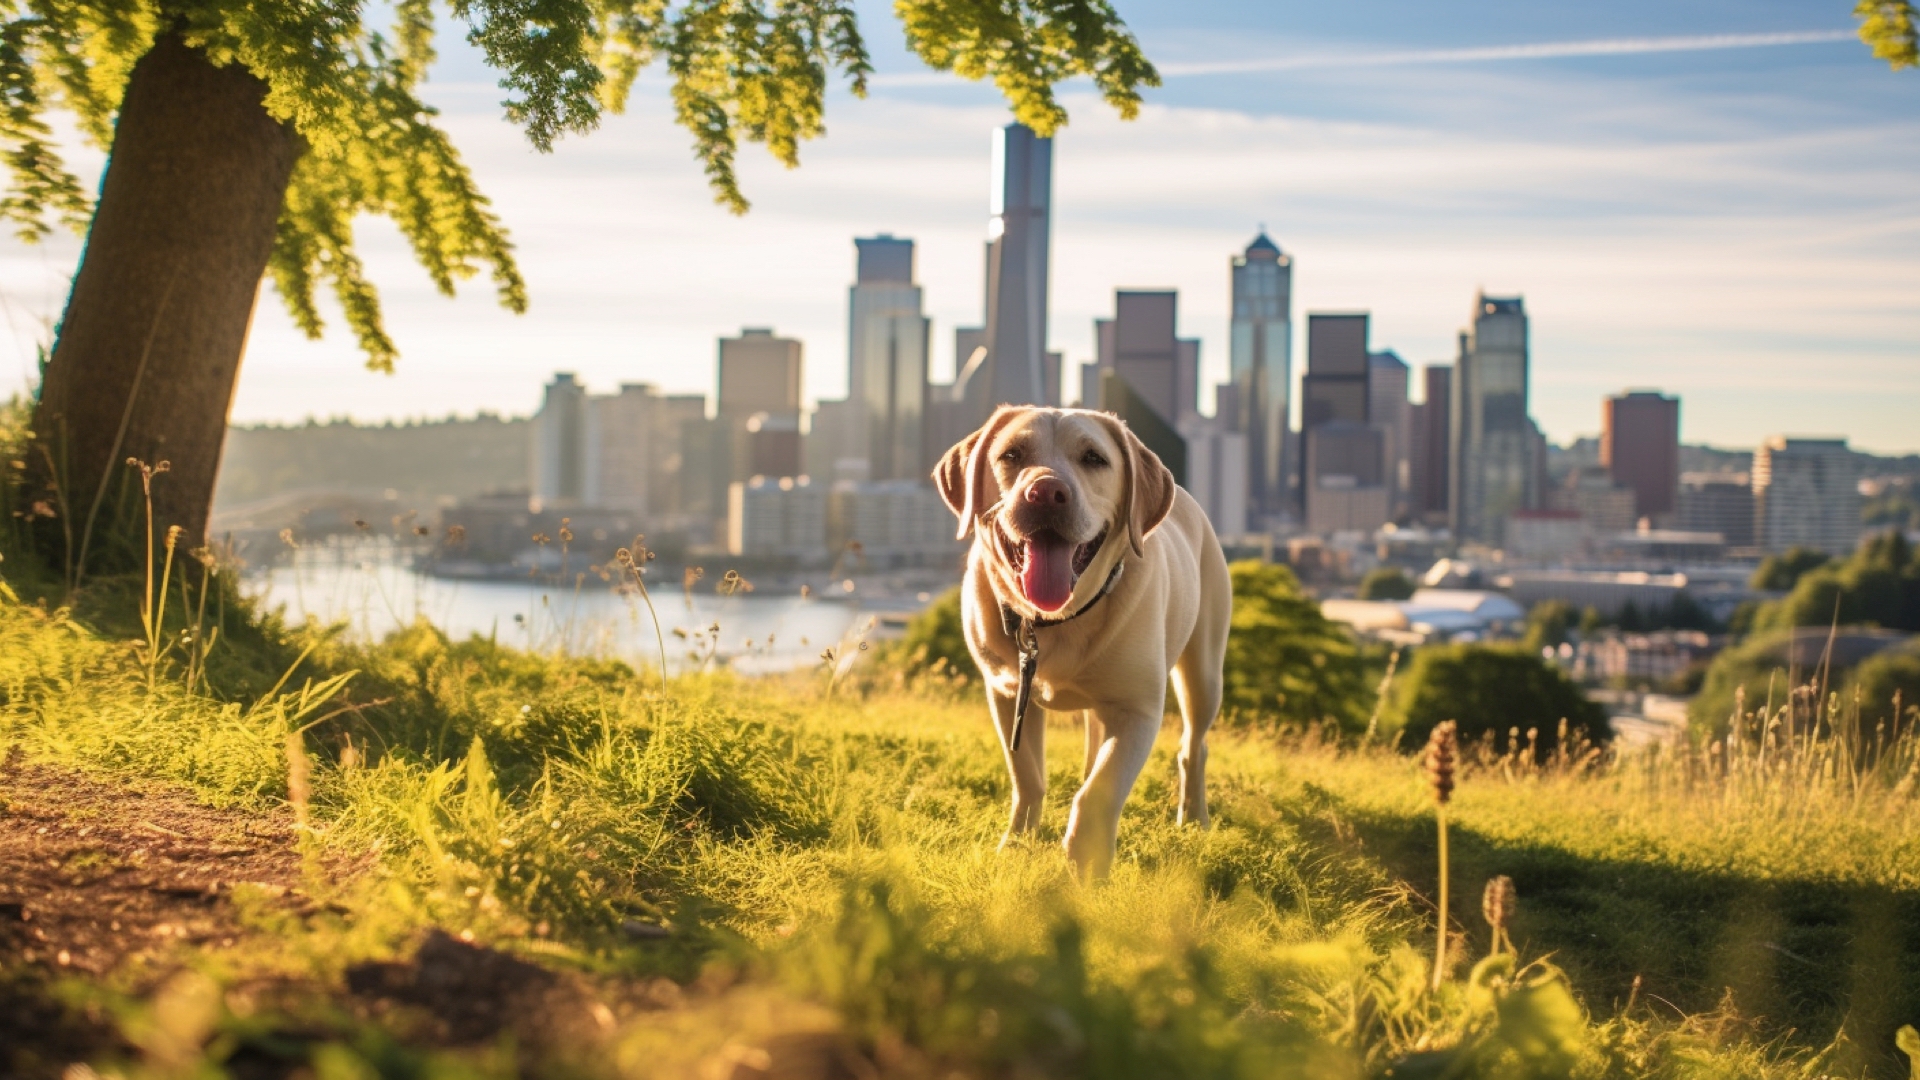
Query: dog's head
1047, 487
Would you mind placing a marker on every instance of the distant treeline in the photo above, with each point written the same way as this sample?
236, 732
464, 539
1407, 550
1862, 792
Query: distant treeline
421, 460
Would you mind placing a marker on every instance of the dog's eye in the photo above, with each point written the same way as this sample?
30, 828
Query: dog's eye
1093, 459
1012, 456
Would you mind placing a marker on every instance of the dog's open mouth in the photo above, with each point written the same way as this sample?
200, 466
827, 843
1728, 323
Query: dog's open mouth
1049, 566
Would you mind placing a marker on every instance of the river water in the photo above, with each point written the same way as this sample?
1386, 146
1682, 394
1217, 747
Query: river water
700, 627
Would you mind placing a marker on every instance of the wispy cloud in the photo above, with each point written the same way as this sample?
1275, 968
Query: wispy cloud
1547, 50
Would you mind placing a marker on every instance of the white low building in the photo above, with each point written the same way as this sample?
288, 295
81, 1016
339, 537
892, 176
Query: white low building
1432, 616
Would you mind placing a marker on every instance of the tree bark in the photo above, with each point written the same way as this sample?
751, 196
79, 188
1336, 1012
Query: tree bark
146, 355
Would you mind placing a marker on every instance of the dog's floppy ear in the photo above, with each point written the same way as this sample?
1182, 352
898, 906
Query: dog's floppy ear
964, 473
1146, 482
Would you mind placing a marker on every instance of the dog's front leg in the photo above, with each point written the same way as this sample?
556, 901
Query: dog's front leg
1027, 766
1095, 825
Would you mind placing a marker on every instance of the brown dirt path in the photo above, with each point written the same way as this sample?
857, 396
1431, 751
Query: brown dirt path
105, 879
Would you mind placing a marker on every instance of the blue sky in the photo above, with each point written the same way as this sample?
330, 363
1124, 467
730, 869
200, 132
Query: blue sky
1739, 224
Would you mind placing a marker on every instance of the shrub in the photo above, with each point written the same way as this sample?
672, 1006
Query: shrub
1285, 660
1878, 586
1770, 665
935, 644
1780, 573
1886, 678
1490, 688
1386, 583
1548, 624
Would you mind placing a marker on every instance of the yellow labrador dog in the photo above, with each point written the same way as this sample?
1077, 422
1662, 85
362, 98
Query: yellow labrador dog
1096, 576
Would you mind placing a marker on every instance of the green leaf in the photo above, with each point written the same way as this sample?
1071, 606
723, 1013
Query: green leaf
1887, 27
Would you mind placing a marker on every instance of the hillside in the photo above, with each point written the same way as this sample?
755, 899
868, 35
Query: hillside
514, 864
421, 461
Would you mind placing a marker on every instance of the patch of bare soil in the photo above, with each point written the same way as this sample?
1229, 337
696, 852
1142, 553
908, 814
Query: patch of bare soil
100, 878
121, 883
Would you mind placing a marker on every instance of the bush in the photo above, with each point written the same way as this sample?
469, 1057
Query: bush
1490, 688
1548, 624
1780, 573
1386, 583
1886, 678
1771, 664
935, 644
1285, 661
1878, 586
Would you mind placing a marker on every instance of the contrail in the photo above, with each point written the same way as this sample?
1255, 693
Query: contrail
1541, 51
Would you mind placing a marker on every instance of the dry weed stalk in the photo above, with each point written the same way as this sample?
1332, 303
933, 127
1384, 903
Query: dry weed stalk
1442, 756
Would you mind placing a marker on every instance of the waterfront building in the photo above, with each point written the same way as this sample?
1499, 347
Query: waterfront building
782, 519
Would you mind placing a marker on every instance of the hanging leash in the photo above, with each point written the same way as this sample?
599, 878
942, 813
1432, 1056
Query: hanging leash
1024, 631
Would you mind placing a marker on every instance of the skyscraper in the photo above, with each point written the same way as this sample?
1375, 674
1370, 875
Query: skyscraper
1494, 441
558, 460
1337, 379
887, 338
1259, 353
1806, 493
1428, 464
1018, 237
1640, 447
1139, 345
759, 373
759, 405
1389, 410
1343, 479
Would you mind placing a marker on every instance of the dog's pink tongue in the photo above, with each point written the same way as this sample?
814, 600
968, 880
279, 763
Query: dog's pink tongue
1048, 579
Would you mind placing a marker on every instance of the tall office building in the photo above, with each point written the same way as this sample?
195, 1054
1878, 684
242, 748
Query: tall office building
1717, 503
620, 451
1259, 362
1218, 464
1338, 376
887, 339
1344, 462
1139, 345
1806, 493
1494, 443
559, 465
1429, 473
759, 373
1018, 236
1389, 410
1640, 447
758, 415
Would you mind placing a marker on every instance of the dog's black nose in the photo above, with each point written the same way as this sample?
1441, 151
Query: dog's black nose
1048, 489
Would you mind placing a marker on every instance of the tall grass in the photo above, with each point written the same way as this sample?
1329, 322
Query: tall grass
824, 850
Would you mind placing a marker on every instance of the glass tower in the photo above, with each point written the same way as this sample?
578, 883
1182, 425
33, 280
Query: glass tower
1018, 234
887, 338
1493, 437
1262, 342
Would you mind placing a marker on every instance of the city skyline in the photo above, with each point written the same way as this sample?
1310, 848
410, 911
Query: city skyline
1758, 218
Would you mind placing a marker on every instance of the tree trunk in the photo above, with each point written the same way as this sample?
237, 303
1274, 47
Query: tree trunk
145, 357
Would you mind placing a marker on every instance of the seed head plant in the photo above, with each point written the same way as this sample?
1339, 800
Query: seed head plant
1442, 757
1496, 905
634, 561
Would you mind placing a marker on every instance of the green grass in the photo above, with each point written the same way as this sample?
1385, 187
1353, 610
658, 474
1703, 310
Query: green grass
830, 864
